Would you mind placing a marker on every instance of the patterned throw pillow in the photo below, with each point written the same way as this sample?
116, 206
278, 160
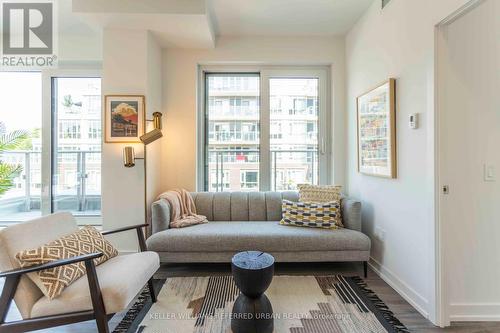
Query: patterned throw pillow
53, 281
319, 193
308, 214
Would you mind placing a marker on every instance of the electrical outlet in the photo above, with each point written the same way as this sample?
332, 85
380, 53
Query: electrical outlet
489, 173
379, 234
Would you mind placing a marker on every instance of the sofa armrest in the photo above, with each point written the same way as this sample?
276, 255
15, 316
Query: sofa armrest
160, 216
351, 213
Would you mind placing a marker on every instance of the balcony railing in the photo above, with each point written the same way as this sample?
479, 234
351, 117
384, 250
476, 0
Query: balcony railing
233, 136
288, 168
76, 184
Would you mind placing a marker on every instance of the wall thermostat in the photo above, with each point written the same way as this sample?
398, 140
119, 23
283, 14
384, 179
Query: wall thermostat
413, 120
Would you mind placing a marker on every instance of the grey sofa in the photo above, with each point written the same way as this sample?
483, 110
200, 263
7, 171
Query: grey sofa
249, 221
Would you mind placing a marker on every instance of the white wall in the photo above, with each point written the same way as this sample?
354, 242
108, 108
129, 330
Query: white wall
469, 137
78, 42
180, 77
154, 92
399, 42
131, 65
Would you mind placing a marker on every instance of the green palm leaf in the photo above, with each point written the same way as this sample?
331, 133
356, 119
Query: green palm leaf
7, 174
13, 140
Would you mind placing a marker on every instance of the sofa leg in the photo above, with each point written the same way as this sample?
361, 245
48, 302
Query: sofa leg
152, 290
365, 268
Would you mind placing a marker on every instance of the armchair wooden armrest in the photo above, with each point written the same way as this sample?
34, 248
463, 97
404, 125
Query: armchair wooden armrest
52, 264
12, 278
114, 231
140, 234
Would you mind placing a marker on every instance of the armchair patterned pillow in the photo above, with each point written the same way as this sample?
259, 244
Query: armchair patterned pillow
53, 281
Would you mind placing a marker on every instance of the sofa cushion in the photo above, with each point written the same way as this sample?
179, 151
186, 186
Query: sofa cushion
247, 235
310, 214
319, 193
120, 278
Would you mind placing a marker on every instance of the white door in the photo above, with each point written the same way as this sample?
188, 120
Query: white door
469, 159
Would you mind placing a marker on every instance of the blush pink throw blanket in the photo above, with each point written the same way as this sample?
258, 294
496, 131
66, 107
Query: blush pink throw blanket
183, 211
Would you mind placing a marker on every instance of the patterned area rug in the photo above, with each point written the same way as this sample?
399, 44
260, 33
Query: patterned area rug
301, 304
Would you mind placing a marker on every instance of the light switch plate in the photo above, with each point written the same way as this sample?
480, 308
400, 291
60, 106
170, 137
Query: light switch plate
489, 173
413, 120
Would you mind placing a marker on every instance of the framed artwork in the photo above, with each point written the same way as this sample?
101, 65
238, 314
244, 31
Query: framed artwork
376, 118
124, 118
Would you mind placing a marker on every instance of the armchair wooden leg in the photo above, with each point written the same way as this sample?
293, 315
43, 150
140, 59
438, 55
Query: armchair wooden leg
96, 296
8, 292
152, 290
365, 268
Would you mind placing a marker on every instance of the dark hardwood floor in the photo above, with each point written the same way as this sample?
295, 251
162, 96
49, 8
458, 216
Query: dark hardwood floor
403, 311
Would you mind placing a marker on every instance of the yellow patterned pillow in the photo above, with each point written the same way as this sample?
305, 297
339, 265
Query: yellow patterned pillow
319, 193
309, 214
53, 281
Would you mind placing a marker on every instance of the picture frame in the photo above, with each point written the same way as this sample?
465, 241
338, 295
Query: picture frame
376, 131
124, 118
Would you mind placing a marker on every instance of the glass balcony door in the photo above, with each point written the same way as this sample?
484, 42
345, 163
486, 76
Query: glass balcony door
76, 145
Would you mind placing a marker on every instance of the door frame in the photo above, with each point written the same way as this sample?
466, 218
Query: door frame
441, 310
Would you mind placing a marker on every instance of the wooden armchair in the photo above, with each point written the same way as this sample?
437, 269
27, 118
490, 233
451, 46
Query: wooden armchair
105, 289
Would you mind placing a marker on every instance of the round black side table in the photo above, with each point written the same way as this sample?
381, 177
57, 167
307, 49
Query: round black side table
252, 311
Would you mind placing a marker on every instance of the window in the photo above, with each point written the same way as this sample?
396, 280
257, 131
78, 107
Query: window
293, 102
232, 142
76, 179
71, 131
94, 129
21, 110
249, 180
219, 181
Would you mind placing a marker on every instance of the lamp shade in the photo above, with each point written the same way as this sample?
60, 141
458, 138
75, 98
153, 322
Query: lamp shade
128, 157
151, 136
157, 120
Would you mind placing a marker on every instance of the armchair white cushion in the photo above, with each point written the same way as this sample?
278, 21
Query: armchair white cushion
121, 278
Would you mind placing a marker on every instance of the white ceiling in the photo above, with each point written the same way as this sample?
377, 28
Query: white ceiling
286, 17
197, 23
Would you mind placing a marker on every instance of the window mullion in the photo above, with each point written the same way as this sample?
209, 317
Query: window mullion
265, 124
324, 147
46, 174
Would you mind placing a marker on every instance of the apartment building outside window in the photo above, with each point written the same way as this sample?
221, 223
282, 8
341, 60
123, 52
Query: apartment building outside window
77, 166
264, 130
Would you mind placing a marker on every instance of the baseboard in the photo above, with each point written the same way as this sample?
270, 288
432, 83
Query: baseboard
474, 311
420, 303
